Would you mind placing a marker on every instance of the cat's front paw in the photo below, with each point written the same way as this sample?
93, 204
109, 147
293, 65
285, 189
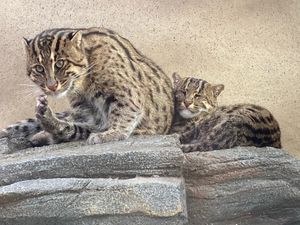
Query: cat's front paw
41, 107
98, 138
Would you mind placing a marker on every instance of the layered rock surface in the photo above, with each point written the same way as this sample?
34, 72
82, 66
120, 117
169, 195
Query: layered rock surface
137, 181
147, 180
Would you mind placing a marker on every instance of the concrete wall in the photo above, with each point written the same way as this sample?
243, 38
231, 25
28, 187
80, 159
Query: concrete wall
251, 46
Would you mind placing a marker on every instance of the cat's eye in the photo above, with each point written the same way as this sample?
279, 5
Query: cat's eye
39, 68
197, 96
59, 64
180, 94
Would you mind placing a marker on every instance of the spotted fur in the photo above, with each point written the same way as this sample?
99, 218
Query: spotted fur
113, 89
204, 126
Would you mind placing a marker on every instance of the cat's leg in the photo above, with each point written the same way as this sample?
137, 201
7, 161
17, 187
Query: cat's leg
187, 136
122, 121
55, 130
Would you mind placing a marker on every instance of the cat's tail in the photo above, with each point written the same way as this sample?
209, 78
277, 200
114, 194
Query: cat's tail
28, 127
22, 128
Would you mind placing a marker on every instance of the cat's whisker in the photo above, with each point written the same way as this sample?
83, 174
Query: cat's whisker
24, 91
27, 85
84, 73
28, 90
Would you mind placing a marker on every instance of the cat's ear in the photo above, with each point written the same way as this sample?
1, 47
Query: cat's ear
176, 79
27, 42
76, 38
217, 89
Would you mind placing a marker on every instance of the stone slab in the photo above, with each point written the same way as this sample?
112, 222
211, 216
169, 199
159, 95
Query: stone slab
94, 201
255, 186
142, 156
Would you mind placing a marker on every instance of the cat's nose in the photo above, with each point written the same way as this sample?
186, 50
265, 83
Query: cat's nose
53, 86
187, 103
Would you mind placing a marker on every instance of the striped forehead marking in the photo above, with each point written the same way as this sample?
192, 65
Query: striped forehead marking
199, 84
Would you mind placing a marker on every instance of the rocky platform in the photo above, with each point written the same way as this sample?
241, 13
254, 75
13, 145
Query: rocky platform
147, 180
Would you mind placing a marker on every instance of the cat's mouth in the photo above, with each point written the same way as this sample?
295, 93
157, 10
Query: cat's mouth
59, 91
190, 111
188, 114
193, 109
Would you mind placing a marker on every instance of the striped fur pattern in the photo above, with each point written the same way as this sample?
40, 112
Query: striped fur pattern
204, 126
113, 89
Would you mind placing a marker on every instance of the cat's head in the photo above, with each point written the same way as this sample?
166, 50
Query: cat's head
193, 95
56, 60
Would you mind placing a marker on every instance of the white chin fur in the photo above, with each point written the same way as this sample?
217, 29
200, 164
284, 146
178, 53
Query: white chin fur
60, 95
187, 114
64, 93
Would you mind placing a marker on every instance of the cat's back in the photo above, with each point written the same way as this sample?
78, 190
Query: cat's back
254, 123
136, 75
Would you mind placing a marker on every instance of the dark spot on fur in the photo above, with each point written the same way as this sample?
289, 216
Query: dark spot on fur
76, 104
139, 76
132, 109
119, 104
215, 146
157, 89
98, 94
116, 114
25, 129
113, 47
147, 112
110, 100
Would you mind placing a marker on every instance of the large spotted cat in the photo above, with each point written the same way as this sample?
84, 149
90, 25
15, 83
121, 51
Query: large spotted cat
113, 89
204, 126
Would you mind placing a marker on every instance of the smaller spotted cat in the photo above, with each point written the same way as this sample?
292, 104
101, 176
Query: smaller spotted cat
203, 126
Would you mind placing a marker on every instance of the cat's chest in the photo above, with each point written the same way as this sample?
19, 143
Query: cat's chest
92, 109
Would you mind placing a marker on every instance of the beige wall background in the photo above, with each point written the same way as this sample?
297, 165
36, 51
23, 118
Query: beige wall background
251, 46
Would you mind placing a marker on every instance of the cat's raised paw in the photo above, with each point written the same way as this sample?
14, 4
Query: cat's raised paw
41, 106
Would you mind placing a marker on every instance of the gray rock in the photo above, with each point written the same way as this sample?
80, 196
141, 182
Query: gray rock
134, 157
139, 181
82, 201
243, 186
114, 183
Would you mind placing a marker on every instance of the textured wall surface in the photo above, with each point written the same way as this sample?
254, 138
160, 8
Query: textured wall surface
251, 46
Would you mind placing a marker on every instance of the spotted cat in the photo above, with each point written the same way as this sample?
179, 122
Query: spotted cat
205, 126
114, 90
